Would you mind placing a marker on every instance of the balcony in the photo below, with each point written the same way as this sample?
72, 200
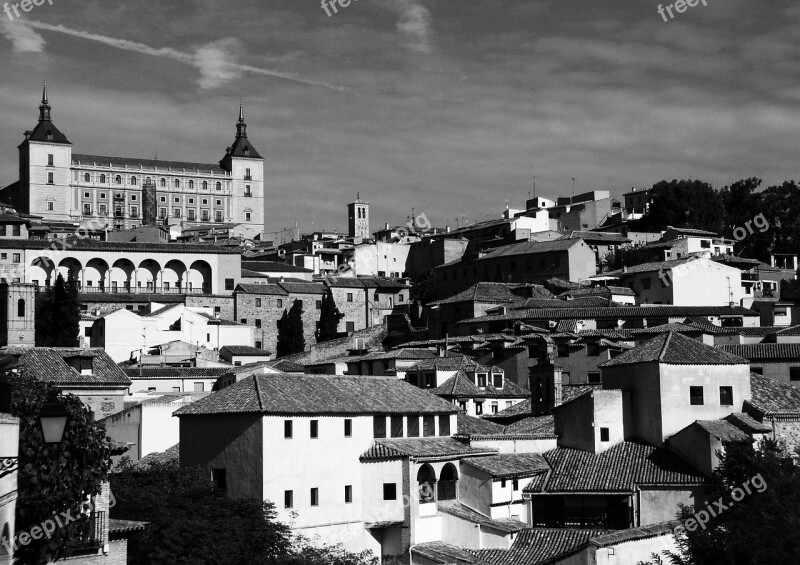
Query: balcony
206, 289
86, 534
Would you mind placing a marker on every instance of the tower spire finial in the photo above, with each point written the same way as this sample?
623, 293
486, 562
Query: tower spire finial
241, 126
44, 92
44, 107
241, 111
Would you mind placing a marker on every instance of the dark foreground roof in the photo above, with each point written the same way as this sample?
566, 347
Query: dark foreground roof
50, 364
426, 448
280, 393
673, 348
772, 398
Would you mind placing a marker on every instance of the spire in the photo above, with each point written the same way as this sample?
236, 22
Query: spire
241, 126
44, 108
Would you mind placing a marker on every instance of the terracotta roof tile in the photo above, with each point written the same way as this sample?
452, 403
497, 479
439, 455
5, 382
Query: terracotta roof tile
50, 364
771, 397
764, 351
422, 448
673, 348
538, 545
510, 465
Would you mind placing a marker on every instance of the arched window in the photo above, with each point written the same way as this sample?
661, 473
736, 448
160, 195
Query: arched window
177, 183
448, 483
163, 182
118, 179
133, 181
191, 184
205, 185
87, 178
426, 483
20, 308
219, 186
148, 180
102, 178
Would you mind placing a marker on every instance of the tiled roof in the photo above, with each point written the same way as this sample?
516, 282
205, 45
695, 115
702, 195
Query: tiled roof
450, 363
509, 465
148, 164
531, 248
536, 546
470, 425
272, 267
542, 426
303, 287
666, 328
618, 469
286, 365
117, 527
50, 364
724, 431
573, 391
792, 330
247, 273
747, 424
605, 237
459, 510
403, 353
268, 289
364, 282
675, 349
606, 291
279, 393
643, 532
461, 386
655, 266
93, 297
427, 448
614, 312
585, 302
771, 397
79, 244
175, 372
691, 231
519, 409
491, 292
245, 350
764, 351
445, 554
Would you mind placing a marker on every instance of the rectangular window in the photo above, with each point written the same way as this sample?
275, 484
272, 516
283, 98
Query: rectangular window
413, 426
176, 212
219, 478
593, 377
314, 432
87, 209
49, 159
348, 494
428, 426
397, 426
348, 427
515, 484
350, 327
349, 296
287, 429
279, 302
247, 216
696, 395
390, 491
162, 213
204, 215
218, 216
199, 387
314, 497
134, 211
726, 396
191, 214
319, 304
258, 323
258, 303
243, 320
478, 408
229, 284
50, 181
379, 426
482, 380
444, 426
16, 229
794, 373
497, 380
603, 434
15, 257
288, 499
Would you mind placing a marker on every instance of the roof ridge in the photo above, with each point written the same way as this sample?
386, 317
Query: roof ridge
664, 348
258, 393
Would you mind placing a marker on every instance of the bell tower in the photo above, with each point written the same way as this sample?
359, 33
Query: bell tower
358, 219
17, 320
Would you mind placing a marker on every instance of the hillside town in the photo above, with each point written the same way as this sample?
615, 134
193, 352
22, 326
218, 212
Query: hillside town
553, 385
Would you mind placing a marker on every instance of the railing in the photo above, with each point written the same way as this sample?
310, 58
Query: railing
143, 290
86, 533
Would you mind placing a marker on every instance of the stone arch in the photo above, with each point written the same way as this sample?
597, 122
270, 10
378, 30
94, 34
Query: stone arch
426, 483
147, 275
95, 273
448, 483
42, 271
174, 274
68, 265
121, 275
198, 279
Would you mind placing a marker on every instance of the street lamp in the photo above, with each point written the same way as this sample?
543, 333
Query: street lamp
53, 421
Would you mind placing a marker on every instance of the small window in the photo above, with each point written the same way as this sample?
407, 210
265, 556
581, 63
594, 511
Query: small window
314, 429
288, 499
20, 308
390, 491
50, 181
177, 183
229, 284
314, 497
515, 484
219, 186
379, 426
428, 426
397, 426
219, 478
258, 302
205, 185
191, 184
50, 204
478, 407
279, 302
319, 304
349, 296
593, 377
163, 182
49, 159
258, 323
726, 396
15, 258
482, 380
444, 425
287, 429
247, 216
348, 427
794, 373
88, 178
497, 380
199, 387
696, 395
413, 426
348, 494
603, 434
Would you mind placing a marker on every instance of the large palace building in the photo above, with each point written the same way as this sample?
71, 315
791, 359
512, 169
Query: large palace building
121, 192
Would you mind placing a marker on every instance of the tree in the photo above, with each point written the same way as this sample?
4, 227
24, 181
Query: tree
761, 526
191, 521
54, 478
291, 339
328, 318
58, 314
685, 203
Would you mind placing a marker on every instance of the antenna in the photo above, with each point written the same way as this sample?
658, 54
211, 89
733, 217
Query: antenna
573, 188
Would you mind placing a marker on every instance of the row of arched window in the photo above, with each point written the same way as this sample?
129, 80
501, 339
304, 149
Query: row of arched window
176, 183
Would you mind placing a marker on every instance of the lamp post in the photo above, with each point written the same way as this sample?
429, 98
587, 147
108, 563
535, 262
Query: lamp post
52, 422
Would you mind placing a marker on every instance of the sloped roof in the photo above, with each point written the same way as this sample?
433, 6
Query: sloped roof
149, 164
461, 386
604, 237
541, 426
724, 431
673, 348
654, 266
245, 350
618, 469
531, 248
175, 372
422, 448
607, 291
621, 312
268, 289
536, 546
492, 292
772, 398
46, 131
584, 302
50, 364
303, 287
443, 553
470, 425
747, 424
459, 510
510, 465
518, 409
764, 351
279, 393
272, 267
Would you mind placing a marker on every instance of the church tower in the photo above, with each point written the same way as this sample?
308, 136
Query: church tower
246, 167
45, 158
358, 219
17, 320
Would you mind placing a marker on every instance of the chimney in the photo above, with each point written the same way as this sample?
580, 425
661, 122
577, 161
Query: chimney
386, 226
447, 229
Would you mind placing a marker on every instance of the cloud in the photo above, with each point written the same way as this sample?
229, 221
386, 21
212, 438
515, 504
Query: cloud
415, 25
213, 60
21, 36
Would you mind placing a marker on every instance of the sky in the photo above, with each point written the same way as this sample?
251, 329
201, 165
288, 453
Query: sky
449, 107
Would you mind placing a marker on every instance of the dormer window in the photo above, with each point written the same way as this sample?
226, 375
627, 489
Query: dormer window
497, 380
81, 364
481, 380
